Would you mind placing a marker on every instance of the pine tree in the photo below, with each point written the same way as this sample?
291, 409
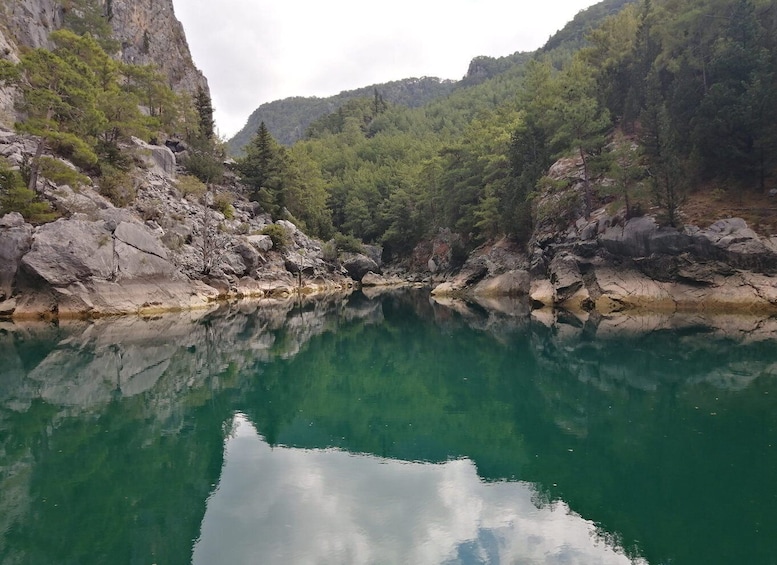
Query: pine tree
204, 107
262, 170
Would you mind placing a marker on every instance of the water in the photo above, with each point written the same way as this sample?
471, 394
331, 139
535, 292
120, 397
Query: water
390, 430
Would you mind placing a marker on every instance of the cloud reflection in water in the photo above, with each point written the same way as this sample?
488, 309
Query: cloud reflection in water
284, 505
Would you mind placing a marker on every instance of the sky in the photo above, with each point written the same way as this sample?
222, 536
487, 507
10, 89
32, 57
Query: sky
257, 51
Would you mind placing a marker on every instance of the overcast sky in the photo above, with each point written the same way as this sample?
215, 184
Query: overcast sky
257, 51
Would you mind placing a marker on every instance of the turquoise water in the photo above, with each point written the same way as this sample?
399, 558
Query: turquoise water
391, 430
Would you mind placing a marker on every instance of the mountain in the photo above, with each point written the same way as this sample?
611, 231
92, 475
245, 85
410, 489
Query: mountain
288, 119
134, 31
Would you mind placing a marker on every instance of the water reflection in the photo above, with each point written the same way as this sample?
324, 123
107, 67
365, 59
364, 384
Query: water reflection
661, 431
285, 505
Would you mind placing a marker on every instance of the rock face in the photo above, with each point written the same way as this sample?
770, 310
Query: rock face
164, 252
147, 31
15, 241
608, 264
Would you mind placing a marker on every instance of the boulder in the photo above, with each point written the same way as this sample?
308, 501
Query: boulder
15, 241
141, 237
251, 257
358, 265
67, 251
260, 242
541, 293
373, 279
158, 158
298, 262
512, 283
731, 241
632, 239
565, 276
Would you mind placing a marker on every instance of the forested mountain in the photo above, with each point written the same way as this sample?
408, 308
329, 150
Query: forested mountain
288, 119
689, 86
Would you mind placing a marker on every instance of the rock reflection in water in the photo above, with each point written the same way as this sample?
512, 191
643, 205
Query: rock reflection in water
112, 431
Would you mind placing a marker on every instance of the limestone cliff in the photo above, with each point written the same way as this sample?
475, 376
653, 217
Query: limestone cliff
146, 31
149, 32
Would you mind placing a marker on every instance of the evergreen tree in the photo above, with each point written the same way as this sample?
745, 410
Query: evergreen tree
262, 170
579, 119
204, 108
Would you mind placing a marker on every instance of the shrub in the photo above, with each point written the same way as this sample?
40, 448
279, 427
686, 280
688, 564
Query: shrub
329, 252
60, 173
223, 203
16, 197
191, 185
117, 186
73, 148
348, 243
279, 235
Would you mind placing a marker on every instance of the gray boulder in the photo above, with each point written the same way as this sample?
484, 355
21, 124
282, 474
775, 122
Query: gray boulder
260, 242
67, 251
158, 158
565, 276
640, 237
358, 265
15, 241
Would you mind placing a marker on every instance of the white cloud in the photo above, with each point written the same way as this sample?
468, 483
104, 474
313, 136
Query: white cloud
257, 51
281, 505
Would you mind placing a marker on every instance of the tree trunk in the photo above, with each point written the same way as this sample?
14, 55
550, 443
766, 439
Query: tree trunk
586, 183
35, 166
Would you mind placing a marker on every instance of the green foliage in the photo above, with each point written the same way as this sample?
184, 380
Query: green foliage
204, 108
694, 81
280, 236
83, 103
348, 243
204, 160
263, 171
190, 185
223, 203
16, 197
626, 171
90, 17
117, 185
289, 119
60, 173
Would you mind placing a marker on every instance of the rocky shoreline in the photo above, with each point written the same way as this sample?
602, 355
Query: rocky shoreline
164, 252
167, 251
606, 263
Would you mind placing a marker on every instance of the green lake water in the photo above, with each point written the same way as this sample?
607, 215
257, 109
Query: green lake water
388, 430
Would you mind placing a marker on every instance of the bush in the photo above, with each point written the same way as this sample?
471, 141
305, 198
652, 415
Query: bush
60, 173
280, 236
117, 186
348, 243
223, 203
329, 252
191, 185
73, 148
16, 197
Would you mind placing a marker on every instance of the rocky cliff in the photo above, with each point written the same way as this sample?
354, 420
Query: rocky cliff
146, 32
605, 263
165, 251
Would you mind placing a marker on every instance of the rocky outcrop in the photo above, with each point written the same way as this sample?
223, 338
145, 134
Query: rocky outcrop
358, 265
166, 251
606, 263
150, 33
15, 242
146, 31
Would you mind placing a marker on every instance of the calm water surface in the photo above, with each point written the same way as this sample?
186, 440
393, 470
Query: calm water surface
388, 430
